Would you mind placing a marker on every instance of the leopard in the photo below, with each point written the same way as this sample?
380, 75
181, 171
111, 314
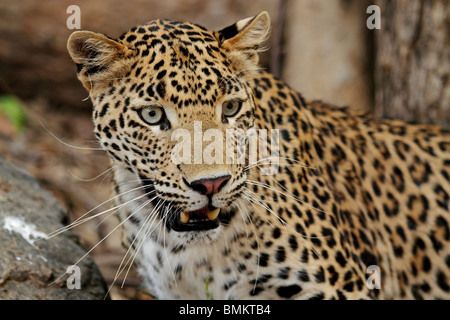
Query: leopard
351, 207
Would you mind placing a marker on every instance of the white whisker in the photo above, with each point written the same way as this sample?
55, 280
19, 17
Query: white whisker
95, 246
106, 172
120, 269
165, 249
132, 256
264, 185
66, 144
257, 249
80, 220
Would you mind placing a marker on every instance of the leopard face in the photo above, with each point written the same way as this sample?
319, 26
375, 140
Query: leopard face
168, 81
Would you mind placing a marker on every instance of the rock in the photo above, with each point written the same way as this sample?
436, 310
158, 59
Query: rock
33, 266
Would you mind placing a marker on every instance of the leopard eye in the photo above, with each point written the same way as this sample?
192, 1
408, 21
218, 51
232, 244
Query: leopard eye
231, 108
153, 115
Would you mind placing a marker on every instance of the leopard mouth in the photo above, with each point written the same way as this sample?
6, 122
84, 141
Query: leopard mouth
206, 218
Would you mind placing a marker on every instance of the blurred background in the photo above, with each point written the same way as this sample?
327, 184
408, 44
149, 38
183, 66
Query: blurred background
322, 48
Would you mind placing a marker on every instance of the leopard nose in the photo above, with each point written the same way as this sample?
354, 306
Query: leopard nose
210, 186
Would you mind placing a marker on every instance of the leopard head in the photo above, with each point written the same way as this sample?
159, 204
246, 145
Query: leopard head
171, 100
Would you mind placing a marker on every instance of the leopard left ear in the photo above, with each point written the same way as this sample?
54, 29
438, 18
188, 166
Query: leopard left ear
246, 37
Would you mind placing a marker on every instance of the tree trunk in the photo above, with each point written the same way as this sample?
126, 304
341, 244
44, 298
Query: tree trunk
413, 61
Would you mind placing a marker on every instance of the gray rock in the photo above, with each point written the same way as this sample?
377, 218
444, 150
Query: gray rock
33, 266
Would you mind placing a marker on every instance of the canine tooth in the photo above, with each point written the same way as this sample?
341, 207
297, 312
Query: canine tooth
184, 217
212, 215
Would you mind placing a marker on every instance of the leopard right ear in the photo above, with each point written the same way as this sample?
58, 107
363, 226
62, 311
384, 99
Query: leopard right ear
98, 58
246, 35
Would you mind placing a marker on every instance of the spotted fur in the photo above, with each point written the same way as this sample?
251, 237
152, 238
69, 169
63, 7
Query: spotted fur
351, 191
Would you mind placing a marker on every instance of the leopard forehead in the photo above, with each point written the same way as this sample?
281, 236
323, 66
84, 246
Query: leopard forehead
171, 33
176, 64
180, 59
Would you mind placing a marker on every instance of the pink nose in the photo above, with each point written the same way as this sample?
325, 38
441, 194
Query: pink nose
210, 186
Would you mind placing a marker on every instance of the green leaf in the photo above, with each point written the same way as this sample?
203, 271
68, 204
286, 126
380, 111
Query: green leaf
209, 295
149, 294
12, 108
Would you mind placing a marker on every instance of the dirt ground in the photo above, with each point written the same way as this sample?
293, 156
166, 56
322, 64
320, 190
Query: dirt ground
58, 148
